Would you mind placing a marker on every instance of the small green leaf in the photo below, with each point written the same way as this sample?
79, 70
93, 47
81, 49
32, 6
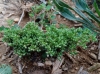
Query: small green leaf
10, 22
31, 14
2, 28
96, 8
48, 7
5, 69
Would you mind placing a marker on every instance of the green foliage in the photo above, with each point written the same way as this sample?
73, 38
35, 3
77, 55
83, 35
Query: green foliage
23, 40
10, 22
58, 40
98, 3
3, 28
53, 42
5, 69
43, 13
82, 9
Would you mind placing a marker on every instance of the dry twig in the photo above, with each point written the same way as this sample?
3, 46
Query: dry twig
23, 13
99, 51
19, 66
69, 56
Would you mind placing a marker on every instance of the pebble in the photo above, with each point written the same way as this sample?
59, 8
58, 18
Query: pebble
40, 64
48, 63
16, 20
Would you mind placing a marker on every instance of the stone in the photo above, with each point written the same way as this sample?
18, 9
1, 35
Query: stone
16, 20
40, 64
48, 63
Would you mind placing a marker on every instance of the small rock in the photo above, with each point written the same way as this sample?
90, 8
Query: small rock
3, 57
48, 63
93, 55
40, 64
76, 68
16, 20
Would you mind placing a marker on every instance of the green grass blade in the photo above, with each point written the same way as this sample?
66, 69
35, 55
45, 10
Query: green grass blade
96, 8
65, 11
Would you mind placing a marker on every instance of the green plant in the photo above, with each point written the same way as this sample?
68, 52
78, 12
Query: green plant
5, 69
43, 14
97, 2
53, 42
23, 40
10, 22
82, 9
58, 40
2, 28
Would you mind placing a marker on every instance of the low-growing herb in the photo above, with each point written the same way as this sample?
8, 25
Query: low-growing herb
53, 42
43, 14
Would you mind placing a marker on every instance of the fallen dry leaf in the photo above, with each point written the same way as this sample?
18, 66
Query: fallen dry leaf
56, 67
94, 67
